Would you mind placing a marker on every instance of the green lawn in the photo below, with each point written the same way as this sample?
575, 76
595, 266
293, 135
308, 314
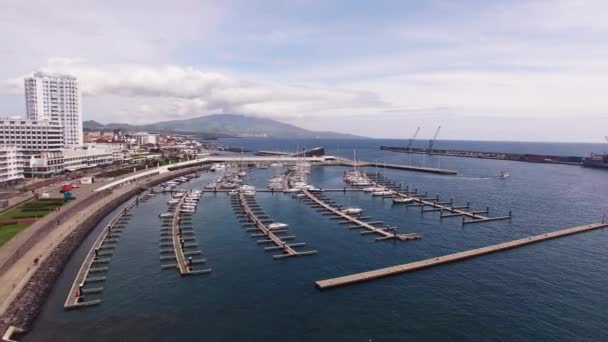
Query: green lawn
35, 208
8, 231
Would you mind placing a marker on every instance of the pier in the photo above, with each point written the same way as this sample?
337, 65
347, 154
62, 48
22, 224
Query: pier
386, 233
181, 232
423, 201
253, 221
95, 263
418, 265
530, 158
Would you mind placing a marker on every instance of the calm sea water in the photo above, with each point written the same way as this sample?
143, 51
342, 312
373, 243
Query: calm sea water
551, 291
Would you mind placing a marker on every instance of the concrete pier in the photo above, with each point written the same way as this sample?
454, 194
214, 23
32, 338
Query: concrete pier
418, 265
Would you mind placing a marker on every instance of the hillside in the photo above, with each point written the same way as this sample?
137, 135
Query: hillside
225, 125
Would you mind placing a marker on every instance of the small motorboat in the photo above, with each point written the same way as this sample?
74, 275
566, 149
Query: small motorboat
402, 200
382, 193
277, 225
233, 192
187, 210
352, 210
166, 215
173, 201
249, 192
374, 189
503, 174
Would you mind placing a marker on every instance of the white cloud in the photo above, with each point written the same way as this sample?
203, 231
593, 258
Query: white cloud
152, 92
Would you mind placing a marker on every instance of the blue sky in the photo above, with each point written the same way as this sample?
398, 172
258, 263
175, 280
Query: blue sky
490, 70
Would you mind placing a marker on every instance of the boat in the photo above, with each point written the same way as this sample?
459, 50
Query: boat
374, 189
173, 201
187, 210
218, 167
401, 200
249, 192
352, 210
233, 192
503, 174
382, 193
166, 215
277, 225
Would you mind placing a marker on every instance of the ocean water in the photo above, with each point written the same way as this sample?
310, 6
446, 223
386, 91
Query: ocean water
551, 291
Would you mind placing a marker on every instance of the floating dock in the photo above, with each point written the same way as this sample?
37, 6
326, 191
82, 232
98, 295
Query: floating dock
418, 265
446, 209
181, 249
386, 233
251, 214
92, 266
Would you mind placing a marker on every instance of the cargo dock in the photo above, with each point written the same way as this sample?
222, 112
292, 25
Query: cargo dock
418, 265
521, 157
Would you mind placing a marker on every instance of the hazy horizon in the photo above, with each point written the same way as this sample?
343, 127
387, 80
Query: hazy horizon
497, 71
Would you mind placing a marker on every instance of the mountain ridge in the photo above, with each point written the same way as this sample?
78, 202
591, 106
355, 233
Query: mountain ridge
237, 125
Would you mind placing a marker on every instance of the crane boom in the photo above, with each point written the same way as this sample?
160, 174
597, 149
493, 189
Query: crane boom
409, 143
432, 141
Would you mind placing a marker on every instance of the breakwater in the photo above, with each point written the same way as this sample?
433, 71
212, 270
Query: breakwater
523, 157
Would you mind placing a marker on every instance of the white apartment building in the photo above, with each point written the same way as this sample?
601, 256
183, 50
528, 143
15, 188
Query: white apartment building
56, 97
31, 135
11, 164
143, 138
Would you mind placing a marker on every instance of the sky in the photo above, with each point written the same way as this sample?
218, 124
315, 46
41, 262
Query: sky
483, 70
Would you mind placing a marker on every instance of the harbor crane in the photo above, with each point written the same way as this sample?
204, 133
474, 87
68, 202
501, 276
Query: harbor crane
409, 143
432, 141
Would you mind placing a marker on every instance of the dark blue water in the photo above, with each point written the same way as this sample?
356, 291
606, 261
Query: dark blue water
551, 291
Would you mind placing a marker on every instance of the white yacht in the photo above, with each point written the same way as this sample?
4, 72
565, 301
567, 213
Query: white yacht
374, 189
402, 200
352, 210
382, 193
277, 225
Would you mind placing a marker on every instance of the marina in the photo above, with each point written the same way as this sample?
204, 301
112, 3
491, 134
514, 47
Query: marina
311, 200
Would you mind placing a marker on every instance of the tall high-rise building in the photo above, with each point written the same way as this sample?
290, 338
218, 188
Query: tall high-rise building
55, 97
